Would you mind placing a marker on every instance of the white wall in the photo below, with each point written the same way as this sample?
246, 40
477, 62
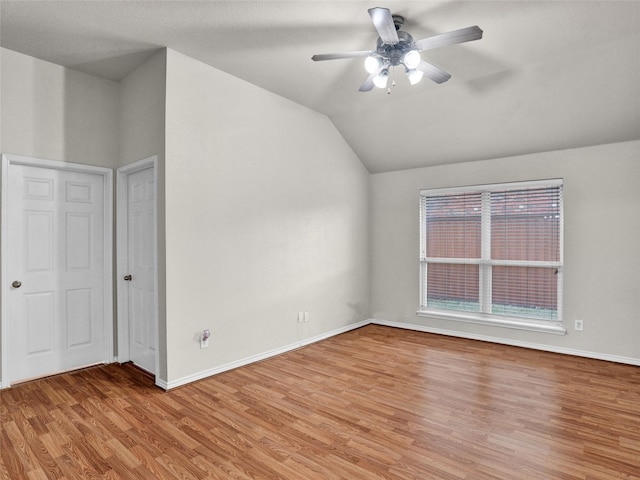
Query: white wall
141, 122
602, 245
266, 216
55, 113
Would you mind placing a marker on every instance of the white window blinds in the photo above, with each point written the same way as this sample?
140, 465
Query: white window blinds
494, 249
452, 243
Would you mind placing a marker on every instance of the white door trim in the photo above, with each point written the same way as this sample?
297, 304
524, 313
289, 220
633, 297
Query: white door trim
107, 174
122, 253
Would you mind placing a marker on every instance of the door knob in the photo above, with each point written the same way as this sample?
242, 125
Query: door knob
16, 284
128, 278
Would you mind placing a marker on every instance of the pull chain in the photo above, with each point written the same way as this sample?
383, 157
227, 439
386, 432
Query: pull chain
393, 81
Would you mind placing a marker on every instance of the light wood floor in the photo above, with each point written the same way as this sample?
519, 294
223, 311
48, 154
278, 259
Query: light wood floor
374, 403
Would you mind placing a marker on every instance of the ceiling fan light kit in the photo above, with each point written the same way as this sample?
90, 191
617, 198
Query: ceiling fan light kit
372, 64
414, 76
380, 80
411, 59
395, 47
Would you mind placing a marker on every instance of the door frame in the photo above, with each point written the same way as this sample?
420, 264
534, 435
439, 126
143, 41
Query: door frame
123, 257
7, 161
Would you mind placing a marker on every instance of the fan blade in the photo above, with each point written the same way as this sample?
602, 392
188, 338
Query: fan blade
383, 21
367, 85
434, 73
336, 56
456, 36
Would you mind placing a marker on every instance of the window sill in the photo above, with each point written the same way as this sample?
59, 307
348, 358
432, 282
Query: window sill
524, 324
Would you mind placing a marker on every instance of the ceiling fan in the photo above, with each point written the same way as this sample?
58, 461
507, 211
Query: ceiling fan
395, 47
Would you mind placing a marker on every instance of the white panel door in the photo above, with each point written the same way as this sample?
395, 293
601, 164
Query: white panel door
55, 262
141, 268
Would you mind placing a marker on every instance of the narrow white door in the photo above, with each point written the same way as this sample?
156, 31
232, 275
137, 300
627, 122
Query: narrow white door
55, 261
141, 268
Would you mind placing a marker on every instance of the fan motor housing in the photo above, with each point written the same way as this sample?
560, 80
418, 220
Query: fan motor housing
394, 53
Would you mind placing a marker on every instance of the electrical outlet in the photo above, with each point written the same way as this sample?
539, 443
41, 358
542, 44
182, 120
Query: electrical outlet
204, 338
300, 317
306, 317
579, 325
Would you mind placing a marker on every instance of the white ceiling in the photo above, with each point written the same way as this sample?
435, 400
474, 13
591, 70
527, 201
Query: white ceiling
545, 76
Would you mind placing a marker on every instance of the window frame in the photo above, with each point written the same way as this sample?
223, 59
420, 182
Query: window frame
486, 263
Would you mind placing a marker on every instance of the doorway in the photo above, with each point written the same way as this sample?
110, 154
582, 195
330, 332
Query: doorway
56, 294
137, 264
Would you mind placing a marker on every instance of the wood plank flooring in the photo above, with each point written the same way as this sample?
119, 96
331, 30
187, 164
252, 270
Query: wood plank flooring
374, 403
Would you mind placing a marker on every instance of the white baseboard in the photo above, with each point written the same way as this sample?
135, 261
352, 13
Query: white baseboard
258, 357
514, 343
387, 323
162, 384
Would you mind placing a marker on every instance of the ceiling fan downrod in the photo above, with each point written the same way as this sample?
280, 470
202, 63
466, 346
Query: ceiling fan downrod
398, 21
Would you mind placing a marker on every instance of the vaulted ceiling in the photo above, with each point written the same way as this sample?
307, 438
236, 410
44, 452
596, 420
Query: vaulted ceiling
547, 75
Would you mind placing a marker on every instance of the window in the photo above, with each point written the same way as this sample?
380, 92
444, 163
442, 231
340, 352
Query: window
493, 254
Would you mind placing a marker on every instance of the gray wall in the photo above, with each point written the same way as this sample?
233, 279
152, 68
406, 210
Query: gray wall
266, 216
266, 205
602, 245
50, 112
55, 113
269, 212
141, 122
